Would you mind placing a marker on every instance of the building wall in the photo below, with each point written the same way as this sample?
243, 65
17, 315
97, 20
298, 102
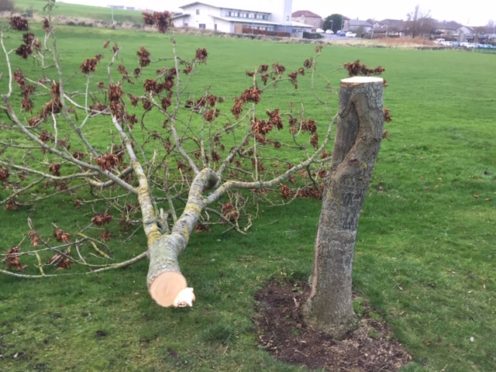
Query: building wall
223, 26
181, 22
201, 16
245, 14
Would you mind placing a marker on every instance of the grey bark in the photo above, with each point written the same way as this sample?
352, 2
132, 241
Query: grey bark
164, 251
359, 133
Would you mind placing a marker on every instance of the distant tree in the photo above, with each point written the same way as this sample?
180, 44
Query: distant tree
334, 22
426, 26
6, 5
360, 31
419, 24
412, 22
479, 33
491, 27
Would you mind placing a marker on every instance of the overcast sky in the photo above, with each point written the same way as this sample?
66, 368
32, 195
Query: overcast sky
471, 13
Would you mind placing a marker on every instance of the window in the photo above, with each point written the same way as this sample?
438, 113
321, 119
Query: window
215, 27
202, 26
197, 11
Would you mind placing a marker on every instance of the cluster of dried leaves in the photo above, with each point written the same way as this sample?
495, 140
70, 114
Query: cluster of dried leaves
357, 68
163, 20
62, 258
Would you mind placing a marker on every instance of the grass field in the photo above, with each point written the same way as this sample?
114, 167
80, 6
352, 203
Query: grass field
425, 256
103, 13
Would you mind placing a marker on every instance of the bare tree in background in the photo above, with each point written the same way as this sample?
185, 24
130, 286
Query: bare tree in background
419, 24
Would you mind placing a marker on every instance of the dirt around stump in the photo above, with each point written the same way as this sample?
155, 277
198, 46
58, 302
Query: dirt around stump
282, 331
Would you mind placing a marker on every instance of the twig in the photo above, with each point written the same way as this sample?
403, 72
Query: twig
122, 264
9, 67
63, 155
119, 265
20, 191
228, 185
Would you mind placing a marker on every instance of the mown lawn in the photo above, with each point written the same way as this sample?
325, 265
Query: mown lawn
425, 256
102, 13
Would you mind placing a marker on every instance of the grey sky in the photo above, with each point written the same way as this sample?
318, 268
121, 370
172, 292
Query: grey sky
473, 12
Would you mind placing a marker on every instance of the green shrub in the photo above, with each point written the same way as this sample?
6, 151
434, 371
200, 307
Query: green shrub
312, 35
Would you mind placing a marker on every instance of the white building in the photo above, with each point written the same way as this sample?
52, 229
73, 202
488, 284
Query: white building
275, 16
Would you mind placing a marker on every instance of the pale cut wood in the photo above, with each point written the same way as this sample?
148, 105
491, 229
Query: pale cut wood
361, 80
165, 281
165, 288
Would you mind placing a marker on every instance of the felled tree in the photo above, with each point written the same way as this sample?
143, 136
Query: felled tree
164, 146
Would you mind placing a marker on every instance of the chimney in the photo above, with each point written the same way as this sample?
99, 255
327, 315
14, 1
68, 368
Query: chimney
288, 10
281, 11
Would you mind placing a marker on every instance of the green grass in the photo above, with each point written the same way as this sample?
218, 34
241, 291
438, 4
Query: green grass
425, 255
103, 13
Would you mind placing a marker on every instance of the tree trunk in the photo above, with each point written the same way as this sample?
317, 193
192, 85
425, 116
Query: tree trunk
359, 133
166, 284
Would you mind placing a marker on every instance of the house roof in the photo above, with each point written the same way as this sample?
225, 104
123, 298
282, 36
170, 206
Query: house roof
259, 22
451, 25
223, 5
358, 23
181, 15
305, 13
246, 20
393, 23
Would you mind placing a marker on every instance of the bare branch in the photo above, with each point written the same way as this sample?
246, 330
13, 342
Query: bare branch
109, 183
232, 153
63, 155
181, 150
229, 185
148, 212
9, 67
115, 266
122, 264
20, 191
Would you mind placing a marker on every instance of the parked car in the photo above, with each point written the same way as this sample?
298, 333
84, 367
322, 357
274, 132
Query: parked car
340, 33
330, 32
350, 34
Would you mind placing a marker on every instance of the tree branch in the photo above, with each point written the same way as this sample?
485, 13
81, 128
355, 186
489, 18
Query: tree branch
9, 67
229, 185
148, 212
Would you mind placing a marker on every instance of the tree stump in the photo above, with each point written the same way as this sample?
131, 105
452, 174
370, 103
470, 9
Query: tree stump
359, 134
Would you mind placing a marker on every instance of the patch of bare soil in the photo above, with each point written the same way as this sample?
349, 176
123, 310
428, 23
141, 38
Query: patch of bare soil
283, 332
403, 42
